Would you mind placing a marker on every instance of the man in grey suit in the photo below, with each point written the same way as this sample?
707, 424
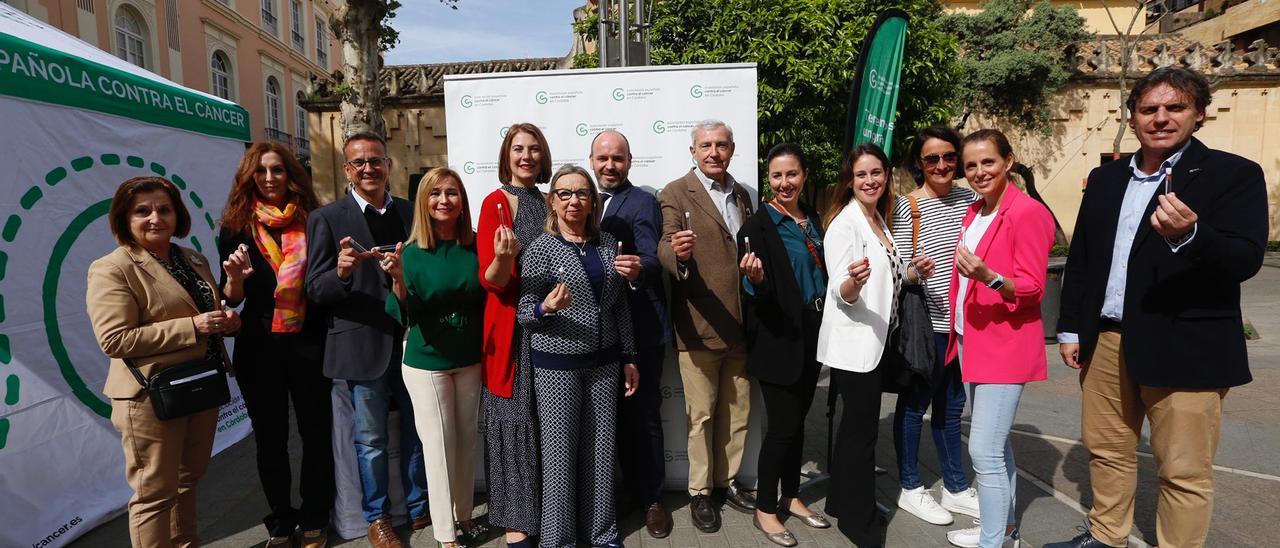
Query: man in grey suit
363, 345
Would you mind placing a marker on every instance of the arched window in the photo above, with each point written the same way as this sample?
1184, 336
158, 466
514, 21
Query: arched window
301, 114
220, 68
273, 105
130, 37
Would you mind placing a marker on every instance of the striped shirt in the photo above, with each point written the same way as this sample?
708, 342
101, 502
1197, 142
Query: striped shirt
939, 229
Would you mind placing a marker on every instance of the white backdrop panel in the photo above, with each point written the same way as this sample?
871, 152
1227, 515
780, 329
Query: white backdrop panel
655, 107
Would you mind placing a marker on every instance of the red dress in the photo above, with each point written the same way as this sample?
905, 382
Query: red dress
496, 356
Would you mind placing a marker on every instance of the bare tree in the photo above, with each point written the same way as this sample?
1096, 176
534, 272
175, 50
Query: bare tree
1128, 45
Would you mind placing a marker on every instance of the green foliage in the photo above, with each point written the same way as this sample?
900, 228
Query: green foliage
586, 60
1013, 61
806, 52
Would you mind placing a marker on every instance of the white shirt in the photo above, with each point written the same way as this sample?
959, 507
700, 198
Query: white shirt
363, 203
971, 237
722, 197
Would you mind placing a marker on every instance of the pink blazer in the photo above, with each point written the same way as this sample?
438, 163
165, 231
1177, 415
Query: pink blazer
1004, 339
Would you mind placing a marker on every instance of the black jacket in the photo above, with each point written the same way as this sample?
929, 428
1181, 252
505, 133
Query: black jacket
772, 317
1182, 326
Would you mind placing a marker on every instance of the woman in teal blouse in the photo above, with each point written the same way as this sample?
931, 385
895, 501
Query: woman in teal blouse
436, 293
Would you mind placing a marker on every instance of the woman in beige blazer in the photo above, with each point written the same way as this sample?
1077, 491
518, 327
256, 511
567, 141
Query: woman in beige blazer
156, 304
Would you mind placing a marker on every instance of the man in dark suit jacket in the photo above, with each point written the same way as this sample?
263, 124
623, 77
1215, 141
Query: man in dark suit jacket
701, 214
632, 216
1151, 309
363, 346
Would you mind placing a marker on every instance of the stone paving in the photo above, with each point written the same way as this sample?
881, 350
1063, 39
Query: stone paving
1053, 486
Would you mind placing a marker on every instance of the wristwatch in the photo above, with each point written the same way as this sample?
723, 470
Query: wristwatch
997, 283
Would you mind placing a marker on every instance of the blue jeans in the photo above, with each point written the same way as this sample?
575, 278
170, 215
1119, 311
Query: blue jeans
372, 402
946, 395
994, 406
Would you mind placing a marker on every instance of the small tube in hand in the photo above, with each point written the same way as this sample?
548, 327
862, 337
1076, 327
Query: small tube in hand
1168, 178
747, 240
686, 220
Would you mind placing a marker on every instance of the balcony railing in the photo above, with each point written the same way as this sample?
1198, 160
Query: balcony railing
298, 42
269, 21
303, 146
279, 136
322, 58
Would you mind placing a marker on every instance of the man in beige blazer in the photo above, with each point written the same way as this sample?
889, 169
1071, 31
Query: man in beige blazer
701, 214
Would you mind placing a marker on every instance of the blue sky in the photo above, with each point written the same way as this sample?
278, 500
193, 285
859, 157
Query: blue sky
481, 30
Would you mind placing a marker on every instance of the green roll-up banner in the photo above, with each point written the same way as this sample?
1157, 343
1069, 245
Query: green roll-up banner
873, 101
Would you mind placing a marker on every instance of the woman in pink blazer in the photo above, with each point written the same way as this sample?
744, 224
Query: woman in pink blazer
996, 286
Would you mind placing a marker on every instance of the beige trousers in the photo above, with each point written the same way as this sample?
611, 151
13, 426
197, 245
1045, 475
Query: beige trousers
1184, 439
445, 406
163, 462
717, 404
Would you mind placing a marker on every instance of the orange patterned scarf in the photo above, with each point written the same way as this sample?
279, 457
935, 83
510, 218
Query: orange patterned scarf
289, 263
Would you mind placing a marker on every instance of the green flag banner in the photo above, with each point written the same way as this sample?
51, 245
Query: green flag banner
874, 96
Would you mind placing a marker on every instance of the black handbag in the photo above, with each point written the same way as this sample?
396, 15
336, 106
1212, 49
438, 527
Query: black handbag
908, 358
186, 388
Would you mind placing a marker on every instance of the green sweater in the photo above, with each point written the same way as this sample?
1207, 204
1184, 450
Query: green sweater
444, 306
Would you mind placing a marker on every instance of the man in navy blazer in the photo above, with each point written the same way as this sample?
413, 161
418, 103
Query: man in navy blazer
633, 217
363, 345
1151, 309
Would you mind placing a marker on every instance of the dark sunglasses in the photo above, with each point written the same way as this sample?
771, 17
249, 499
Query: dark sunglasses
933, 159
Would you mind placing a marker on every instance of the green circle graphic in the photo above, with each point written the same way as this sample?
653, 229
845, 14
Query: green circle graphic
52, 275
50, 296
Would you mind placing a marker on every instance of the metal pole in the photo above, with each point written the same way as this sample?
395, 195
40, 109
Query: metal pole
642, 30
624, 33
602, 39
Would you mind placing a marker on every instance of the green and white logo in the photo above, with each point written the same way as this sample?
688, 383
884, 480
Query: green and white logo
466, 101
696, 91
618, 94
580, 129
502, 131
540, 97
468, 167
659, 127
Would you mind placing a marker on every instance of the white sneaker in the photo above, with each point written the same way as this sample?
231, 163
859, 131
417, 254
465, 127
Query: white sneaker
964, 502
919, 503
969, 537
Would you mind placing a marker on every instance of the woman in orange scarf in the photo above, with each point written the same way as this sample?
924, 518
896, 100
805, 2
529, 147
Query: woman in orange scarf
264, 257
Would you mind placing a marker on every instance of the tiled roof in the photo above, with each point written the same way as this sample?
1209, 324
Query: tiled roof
417, 83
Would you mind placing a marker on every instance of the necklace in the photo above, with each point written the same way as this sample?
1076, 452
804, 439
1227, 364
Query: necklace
582, 247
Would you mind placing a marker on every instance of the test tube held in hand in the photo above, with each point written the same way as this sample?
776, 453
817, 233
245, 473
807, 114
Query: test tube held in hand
747, 240
502, 221
619, 252
560, 275
686, 220
1168, 179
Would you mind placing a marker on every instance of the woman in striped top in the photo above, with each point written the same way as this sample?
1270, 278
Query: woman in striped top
939, 206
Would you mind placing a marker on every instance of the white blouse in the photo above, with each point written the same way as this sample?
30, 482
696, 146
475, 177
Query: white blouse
852, 336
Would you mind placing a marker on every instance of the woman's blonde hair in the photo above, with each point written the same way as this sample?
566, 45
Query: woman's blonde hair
593, 220
423, 231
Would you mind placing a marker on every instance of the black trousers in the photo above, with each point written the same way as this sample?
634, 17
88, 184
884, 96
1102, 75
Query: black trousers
786, 407
273, 369
641, 452
853, 466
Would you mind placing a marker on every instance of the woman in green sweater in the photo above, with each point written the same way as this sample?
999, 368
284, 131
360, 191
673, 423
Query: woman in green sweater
436, 293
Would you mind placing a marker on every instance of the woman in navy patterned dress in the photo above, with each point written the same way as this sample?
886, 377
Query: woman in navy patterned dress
573, 306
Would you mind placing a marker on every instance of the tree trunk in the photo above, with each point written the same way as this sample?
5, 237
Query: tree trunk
358, 26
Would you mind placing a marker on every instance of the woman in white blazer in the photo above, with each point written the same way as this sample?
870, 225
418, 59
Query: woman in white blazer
865, 274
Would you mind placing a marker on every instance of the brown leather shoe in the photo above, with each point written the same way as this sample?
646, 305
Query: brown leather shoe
315, 538
383, 535
422, 522
704, 514
657, 521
